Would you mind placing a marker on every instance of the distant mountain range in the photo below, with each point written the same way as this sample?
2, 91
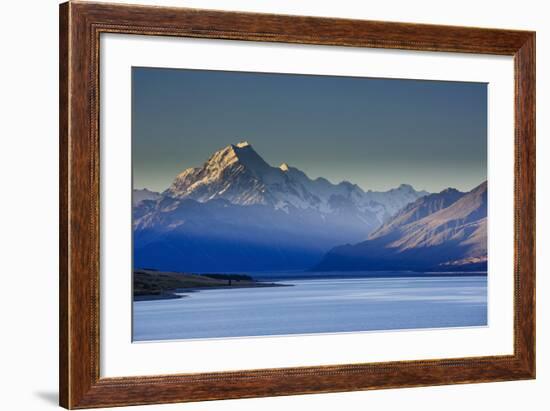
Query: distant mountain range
446, 231
239, 175
238, 213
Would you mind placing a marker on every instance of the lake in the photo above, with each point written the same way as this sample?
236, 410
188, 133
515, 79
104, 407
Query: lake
316, 305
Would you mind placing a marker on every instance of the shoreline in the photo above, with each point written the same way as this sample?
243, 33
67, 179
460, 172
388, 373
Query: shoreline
176, 291
149, 285
373, 274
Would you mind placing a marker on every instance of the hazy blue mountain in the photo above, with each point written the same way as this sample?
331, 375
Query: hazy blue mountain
138, 195
237, 213
445, 231
220, 236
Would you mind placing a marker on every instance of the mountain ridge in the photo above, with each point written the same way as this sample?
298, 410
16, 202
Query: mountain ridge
450, 236
238, 174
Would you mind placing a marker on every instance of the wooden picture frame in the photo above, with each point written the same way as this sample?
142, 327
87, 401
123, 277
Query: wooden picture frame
80, 27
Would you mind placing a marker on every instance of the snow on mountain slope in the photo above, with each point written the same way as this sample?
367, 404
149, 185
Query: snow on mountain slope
238, 174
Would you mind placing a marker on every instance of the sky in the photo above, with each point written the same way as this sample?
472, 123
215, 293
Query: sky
377, 133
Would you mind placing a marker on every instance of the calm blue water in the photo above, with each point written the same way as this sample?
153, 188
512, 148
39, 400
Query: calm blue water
316, 306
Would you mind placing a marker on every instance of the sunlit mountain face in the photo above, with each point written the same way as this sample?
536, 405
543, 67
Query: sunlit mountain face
236, 212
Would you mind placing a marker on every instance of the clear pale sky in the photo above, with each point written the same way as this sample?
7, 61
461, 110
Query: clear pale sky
377, 133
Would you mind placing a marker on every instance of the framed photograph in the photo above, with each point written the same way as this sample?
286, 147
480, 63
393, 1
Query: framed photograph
259, 205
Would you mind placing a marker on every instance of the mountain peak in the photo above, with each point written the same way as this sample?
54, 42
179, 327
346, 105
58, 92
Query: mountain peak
449, 190
241, 153
243, 144
405, 187
139, 195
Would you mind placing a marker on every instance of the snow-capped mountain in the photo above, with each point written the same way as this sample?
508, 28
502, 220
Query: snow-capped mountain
236, 212
238, 174
443, 231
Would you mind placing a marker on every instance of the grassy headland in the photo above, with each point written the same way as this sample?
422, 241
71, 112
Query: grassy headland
152, 284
